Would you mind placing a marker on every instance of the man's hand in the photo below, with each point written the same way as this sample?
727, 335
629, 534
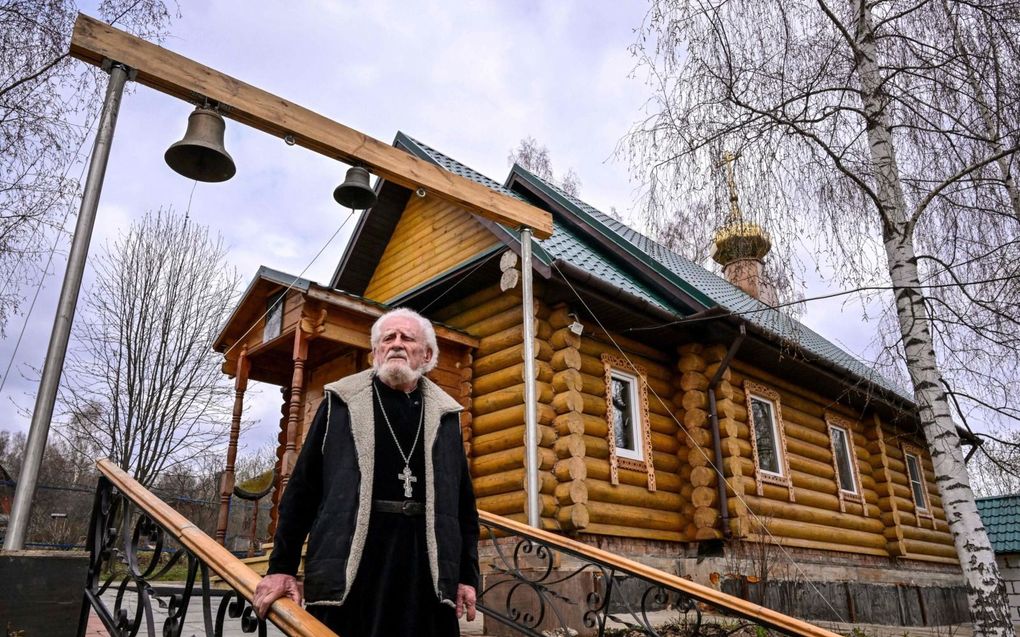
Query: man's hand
466, 601
273, 587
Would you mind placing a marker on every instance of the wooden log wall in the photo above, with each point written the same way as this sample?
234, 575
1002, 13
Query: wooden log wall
908, 534
700, 512
496, 404
884, 523
588, 499
320, 376
807, 512
431, 237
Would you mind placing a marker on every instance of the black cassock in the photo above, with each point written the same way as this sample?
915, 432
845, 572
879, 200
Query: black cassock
393, 594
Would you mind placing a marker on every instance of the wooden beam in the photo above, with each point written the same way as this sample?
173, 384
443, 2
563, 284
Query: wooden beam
343, 300
173, 74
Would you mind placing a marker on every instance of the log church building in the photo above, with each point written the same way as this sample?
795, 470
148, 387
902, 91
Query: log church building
651, 371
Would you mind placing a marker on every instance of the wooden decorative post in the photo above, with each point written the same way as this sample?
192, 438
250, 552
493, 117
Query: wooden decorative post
297, 388
227, 482
281, 443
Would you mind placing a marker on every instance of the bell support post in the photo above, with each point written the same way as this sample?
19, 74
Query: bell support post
53, 366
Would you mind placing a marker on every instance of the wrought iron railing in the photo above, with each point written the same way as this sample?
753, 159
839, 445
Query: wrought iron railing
538, 583
135, 539
542, 584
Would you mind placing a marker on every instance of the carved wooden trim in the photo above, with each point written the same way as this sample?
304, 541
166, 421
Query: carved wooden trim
919, 512
609, 363
832, 420
297, 388
313, 320
751, 389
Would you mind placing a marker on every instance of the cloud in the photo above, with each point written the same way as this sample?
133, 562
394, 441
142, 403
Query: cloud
472, 79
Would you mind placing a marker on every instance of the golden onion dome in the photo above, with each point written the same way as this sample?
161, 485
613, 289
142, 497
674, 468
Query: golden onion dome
740, 239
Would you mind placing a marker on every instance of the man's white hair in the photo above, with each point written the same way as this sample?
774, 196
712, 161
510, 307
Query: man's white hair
427, 331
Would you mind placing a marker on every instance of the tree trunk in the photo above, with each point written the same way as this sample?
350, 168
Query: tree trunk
986, 593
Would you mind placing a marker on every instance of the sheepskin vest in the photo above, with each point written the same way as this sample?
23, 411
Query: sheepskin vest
331, 537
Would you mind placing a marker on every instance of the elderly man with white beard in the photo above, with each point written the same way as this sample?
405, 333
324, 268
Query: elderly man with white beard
382, 492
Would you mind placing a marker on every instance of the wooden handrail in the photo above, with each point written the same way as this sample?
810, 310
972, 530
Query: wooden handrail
285, 614
697, 591
293, 620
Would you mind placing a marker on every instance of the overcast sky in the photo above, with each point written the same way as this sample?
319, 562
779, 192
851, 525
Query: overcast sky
470, 79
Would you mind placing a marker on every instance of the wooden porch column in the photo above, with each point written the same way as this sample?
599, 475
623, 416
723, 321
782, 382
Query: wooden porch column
281, 442
227, 482
297, 388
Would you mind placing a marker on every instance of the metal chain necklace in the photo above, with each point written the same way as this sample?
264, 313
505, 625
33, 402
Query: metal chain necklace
405, 476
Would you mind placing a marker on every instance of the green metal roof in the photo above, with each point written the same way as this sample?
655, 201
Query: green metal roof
692, 279
563, 244
1001, 516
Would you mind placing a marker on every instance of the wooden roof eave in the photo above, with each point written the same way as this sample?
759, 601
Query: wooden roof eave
383, 219
371, 235
335, 298
834, 375
647, 275
265, 279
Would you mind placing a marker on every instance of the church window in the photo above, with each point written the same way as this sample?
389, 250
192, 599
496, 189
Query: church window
765, 435
768, 440
917, 485
843, 457
630, 442
274, 317
844, 461
625, 415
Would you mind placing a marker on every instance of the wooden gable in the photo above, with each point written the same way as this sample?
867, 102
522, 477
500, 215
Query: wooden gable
433, 236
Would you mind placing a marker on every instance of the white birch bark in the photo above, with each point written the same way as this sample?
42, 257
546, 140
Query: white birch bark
985, 591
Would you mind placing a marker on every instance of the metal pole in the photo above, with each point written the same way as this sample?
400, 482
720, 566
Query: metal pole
530, 395
54, 364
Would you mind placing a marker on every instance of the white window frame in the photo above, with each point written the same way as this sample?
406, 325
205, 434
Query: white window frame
637, 429
850, 458
856, 496
774, 430
922, 508
639, 458
754, 391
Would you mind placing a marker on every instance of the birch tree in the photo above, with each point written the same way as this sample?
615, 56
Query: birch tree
887, 130
142, 382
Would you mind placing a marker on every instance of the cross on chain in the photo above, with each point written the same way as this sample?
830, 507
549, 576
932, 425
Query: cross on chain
408, 478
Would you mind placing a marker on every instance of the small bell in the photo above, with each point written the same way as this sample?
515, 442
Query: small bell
201, 154
355, 192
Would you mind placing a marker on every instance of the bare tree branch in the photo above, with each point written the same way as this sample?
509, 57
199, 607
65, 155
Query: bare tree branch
142, 380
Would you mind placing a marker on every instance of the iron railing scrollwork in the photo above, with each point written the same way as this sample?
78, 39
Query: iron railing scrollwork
135, 539
128, 552
542, 584
538, 583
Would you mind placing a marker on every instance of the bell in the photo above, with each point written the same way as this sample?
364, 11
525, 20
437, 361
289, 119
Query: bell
355, 192
201, 155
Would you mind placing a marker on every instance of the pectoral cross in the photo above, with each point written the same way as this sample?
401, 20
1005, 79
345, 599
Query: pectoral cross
408, 478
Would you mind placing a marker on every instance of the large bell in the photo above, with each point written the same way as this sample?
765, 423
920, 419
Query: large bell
355, 192
201, 155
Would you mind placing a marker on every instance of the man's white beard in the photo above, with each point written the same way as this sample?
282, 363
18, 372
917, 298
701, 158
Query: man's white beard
397, 374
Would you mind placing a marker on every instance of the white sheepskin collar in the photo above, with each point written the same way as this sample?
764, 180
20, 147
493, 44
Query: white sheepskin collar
356, 392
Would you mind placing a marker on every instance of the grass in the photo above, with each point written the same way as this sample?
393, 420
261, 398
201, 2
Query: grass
177, 573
